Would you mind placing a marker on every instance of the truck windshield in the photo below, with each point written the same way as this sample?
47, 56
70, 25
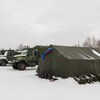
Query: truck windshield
24, 52
5, 54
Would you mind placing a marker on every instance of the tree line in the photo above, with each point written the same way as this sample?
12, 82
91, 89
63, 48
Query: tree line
91, 42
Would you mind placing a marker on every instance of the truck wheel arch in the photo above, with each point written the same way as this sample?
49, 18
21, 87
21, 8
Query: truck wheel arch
22, 65
4, 62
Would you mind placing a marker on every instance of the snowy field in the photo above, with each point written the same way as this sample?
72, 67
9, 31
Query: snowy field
24, 85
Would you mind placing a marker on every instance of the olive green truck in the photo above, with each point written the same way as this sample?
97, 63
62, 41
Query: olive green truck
7, 56
28, 58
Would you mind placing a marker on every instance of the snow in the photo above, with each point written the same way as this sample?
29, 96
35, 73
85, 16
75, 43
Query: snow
23, 53
25, 85
95, 52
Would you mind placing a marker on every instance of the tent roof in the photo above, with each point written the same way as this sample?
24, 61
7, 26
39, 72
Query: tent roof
97, 49
77, 52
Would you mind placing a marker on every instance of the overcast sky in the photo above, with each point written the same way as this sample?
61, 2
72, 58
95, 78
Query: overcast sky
44, 22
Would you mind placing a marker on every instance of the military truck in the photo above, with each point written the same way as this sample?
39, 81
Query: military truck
28, 58
2, 52
7, 56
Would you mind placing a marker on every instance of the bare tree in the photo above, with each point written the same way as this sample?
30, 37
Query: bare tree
98, 43
87, 42
20, 47
94, 42
90, 42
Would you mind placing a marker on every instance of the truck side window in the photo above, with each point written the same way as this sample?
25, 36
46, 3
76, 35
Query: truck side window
36, 52
29, 53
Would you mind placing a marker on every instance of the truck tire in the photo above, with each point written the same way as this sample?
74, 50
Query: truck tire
3, 63
15, 67
22, 66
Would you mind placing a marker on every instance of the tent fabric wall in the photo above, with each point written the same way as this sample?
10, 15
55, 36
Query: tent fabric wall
67, 62
96, 64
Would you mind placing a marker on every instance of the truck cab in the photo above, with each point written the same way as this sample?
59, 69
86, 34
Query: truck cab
28, 58
7, 57
25, 59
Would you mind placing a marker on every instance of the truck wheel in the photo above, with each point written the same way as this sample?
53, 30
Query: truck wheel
3, 63
15, 67
22, 66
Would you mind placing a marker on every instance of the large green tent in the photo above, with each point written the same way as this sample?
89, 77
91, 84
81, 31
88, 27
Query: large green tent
66, 61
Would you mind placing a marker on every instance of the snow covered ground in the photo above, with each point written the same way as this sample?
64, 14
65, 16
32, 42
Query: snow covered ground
24, 85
